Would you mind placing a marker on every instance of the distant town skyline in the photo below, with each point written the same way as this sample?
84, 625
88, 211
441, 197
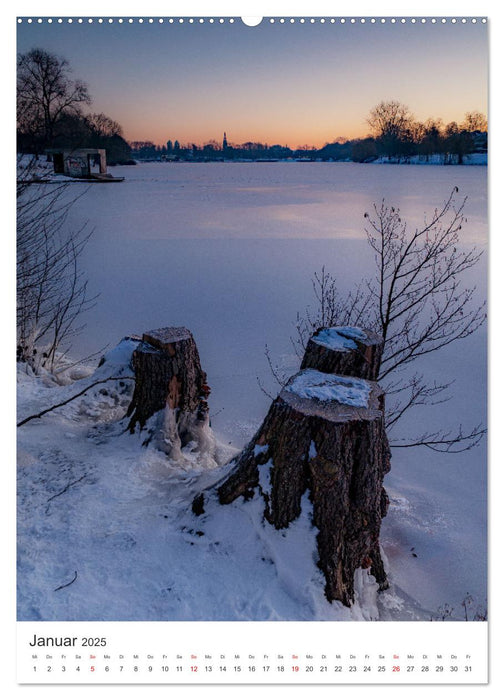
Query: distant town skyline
280, 83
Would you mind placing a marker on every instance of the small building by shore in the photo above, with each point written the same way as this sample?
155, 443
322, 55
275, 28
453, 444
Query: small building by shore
81, 163
78, 162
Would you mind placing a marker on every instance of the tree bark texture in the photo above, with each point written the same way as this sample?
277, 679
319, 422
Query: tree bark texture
353, 352
169, 378
337, 449
345, 351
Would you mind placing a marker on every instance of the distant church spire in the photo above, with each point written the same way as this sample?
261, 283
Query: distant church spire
224, 142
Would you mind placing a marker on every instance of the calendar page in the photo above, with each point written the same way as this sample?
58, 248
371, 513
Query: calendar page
251, 347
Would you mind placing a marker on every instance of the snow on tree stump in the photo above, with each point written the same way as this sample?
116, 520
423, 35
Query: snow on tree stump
169, 378
344, 350
324, 433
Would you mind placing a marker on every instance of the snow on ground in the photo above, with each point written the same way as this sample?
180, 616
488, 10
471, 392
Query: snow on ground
106, 530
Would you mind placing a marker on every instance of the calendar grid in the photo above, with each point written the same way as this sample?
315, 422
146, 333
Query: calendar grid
300, 653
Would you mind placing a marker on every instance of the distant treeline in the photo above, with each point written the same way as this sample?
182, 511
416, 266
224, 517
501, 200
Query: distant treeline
452, 146
395, 135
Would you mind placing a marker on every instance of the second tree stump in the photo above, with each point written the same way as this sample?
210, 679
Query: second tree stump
169, 378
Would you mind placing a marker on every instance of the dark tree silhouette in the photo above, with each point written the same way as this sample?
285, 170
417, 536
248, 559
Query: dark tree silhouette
390, 123
457, 143
46, 93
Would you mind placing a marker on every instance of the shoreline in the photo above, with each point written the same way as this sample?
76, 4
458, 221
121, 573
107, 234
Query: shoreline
480, 159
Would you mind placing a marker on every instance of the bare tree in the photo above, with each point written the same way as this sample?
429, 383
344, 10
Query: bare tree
391, 124
457, 143
45, 94
475, 121
416, 301
51, 289
102, 125
431, 142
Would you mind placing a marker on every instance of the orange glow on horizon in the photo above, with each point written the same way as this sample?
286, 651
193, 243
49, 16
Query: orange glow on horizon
315, 137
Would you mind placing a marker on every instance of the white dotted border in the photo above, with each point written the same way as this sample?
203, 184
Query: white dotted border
270, 20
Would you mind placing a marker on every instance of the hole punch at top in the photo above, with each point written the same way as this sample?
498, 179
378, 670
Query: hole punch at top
251, 21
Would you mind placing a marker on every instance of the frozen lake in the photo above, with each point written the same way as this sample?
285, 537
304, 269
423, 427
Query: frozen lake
228, 250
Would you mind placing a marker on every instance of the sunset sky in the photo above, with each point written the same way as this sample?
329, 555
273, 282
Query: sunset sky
290, 84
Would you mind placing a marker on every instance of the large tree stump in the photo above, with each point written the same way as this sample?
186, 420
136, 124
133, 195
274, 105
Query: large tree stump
323, 433
344, 350
169, 378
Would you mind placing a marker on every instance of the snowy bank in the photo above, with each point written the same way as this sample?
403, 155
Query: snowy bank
113, 519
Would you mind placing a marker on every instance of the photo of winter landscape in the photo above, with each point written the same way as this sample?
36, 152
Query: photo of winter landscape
251, 320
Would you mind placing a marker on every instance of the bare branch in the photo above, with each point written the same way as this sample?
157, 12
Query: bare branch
275, 370
72, 398
452, 443
68, 486
65, 585
418, 393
